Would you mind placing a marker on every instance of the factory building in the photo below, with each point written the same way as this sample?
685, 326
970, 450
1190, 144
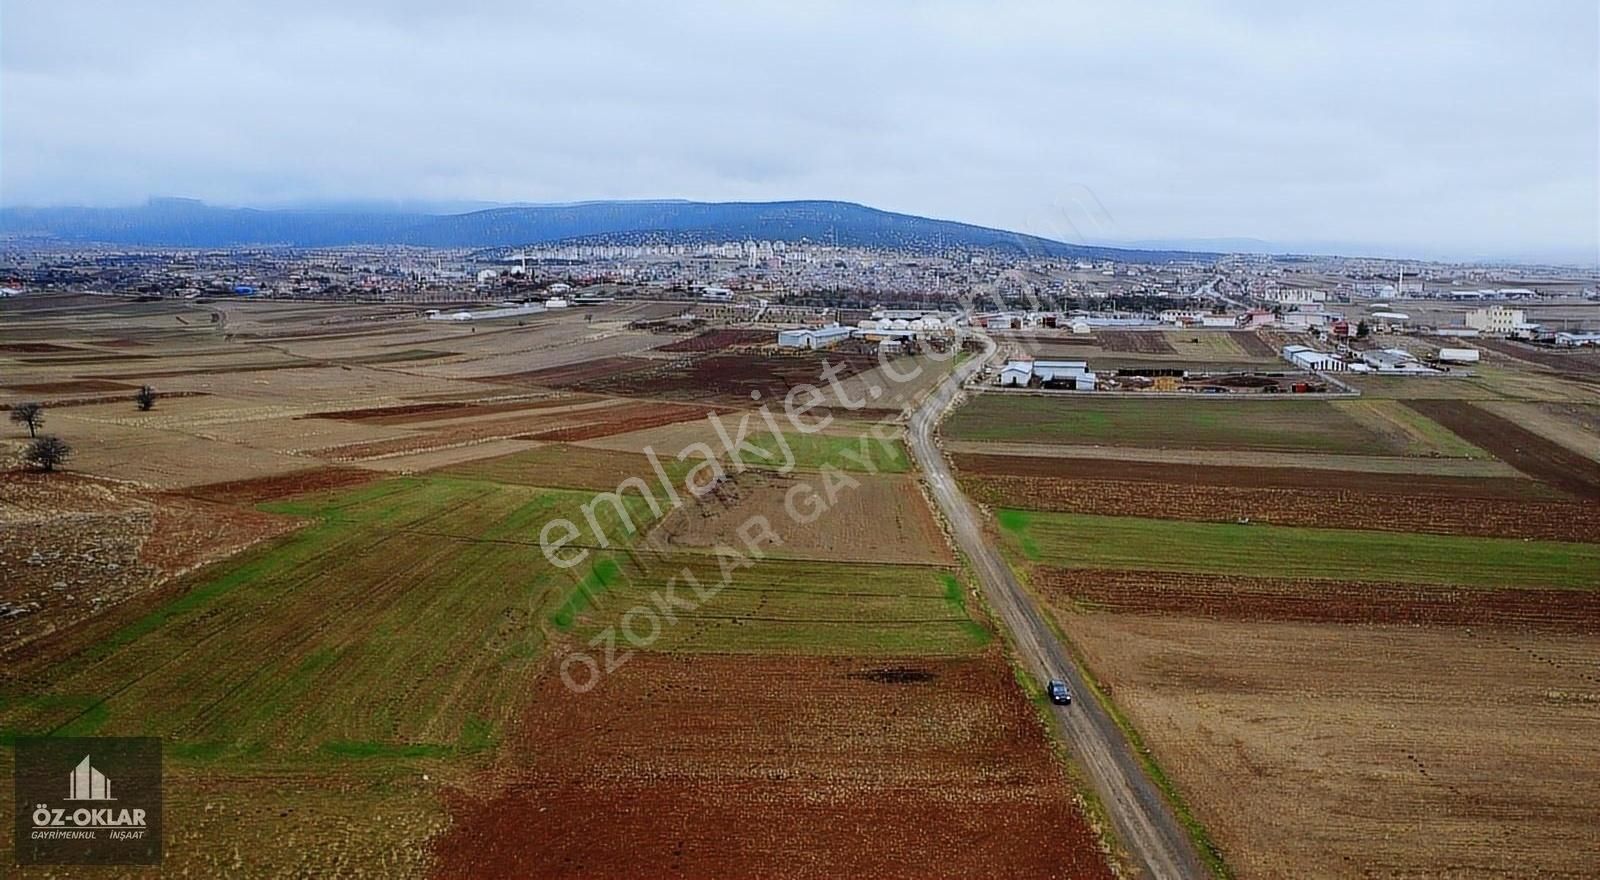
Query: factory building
819, 337
1307, 358
1022, 373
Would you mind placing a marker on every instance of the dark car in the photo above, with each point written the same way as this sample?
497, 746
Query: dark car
1060, 694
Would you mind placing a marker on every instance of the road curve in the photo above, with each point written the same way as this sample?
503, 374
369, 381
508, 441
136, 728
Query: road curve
1140, 815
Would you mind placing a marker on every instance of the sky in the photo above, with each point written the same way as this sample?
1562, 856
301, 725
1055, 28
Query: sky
1452, 129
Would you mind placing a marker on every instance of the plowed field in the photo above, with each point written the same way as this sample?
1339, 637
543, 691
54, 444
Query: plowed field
881, 519
1242, 597
1066, 467
1324, 507
786, 766
1524, 450
1326, 750
1135, 342
728, 376
716, 340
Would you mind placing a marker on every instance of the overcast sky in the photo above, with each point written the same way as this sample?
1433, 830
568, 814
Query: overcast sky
1448, 128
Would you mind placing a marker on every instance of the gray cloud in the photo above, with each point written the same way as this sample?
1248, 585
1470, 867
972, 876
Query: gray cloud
1447, 127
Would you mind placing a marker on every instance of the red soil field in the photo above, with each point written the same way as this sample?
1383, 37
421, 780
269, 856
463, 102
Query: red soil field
1524, 450
569, 374
716, 340
1324, 508
1240, 597
1135, 341
730, 377
1032, 340
801, 767
261, 489
33, 347
424, 412
621, 420
1576, 361
71, 386
1250, 477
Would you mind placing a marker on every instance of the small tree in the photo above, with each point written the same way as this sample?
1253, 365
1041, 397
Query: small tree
144, 398
47, 453
1362, 330
30, 414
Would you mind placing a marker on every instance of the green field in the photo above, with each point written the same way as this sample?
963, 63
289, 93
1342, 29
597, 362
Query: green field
864, 453
1408, 430
1268, 425
1076, 541
567, 466
790, 606
386, 627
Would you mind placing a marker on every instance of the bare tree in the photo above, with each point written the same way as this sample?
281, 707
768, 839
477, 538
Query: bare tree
30, 414
47, 453
144, 398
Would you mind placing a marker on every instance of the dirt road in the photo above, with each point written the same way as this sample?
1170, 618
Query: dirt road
1139, 813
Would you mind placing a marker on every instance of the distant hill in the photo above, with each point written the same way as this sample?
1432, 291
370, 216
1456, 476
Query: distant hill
189, 223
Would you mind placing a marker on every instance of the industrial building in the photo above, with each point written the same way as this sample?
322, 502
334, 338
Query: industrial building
1023, 373
1307, 358
1498, 319
1391, 360
814, 337
1577, 340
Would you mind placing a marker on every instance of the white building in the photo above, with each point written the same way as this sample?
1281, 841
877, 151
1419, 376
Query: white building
1307, 320
1497, 319
1577, 340
1295, 296
1459, 355
1016, 374
1022, 373
820, 337
1307, 358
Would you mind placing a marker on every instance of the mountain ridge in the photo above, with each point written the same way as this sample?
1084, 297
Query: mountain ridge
177, 222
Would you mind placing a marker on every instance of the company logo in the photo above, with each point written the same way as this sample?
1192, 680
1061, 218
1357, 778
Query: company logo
66, 812
89, 784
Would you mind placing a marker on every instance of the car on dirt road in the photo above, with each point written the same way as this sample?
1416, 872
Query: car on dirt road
1060, 694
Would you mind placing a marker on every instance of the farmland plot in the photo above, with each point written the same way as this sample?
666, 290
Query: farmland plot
780, 606
818, 768
1575, 426
1523, 449
1358, 751
1077, 541
865, 452
1275, 425
873, 518
567, 466
1316, 473
368, 628
1327, 507
1322, 600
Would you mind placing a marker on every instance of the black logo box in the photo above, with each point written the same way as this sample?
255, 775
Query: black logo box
123, 775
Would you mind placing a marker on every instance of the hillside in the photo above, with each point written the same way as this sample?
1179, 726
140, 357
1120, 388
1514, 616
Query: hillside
188, 223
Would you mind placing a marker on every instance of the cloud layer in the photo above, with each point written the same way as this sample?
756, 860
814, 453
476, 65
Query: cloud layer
1447, 127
